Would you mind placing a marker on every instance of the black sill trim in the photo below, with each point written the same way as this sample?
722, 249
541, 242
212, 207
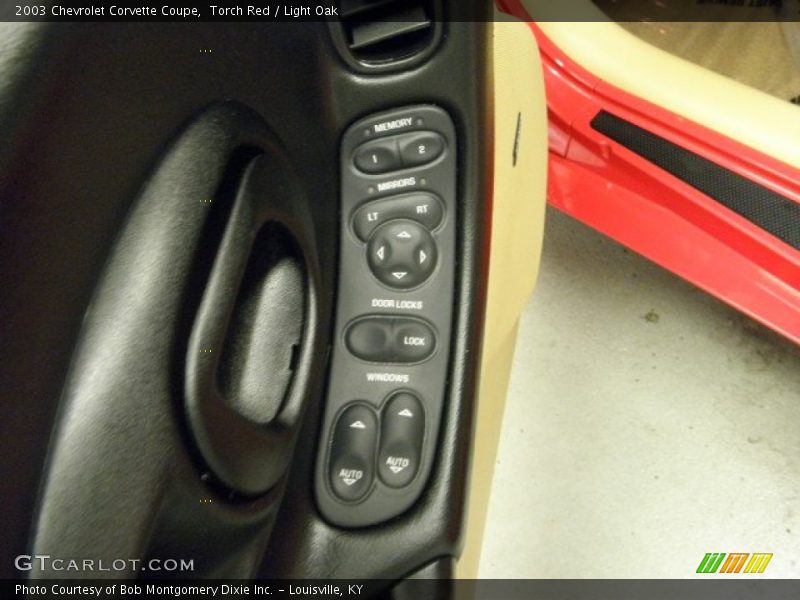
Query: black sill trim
771, 212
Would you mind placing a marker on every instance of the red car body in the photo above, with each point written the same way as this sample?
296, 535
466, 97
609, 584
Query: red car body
644, 207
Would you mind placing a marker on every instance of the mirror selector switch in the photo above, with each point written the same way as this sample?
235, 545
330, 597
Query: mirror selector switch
352, 453
390, 339
422, 207
401, 254
402, 433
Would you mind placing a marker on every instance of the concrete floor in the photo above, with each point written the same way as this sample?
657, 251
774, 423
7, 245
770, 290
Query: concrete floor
647, 424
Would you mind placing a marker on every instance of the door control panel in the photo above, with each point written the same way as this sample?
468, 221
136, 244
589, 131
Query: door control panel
391, 350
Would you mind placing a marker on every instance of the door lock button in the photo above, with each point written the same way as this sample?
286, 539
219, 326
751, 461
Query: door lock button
420, 148
355, 437
402, 434
422, 207
401, 254
413, 340
371, 339
379, 156
390, 339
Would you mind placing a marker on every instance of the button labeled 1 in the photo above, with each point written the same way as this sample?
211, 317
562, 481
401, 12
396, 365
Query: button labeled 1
351, 468
378, 157
402, 433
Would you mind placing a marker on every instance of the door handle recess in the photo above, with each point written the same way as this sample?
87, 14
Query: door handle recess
247, 361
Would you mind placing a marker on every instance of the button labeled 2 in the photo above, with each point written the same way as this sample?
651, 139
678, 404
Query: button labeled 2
420, 148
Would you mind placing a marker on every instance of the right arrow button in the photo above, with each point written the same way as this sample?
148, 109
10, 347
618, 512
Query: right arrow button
402, 433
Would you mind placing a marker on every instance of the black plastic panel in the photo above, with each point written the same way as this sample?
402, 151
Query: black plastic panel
424, 291
388, 35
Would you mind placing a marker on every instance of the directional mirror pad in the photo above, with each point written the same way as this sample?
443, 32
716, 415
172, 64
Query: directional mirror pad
401, 254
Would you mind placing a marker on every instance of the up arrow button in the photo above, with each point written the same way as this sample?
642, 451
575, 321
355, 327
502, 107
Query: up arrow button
402, 434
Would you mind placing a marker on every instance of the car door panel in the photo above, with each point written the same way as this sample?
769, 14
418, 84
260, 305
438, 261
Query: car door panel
141, 164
